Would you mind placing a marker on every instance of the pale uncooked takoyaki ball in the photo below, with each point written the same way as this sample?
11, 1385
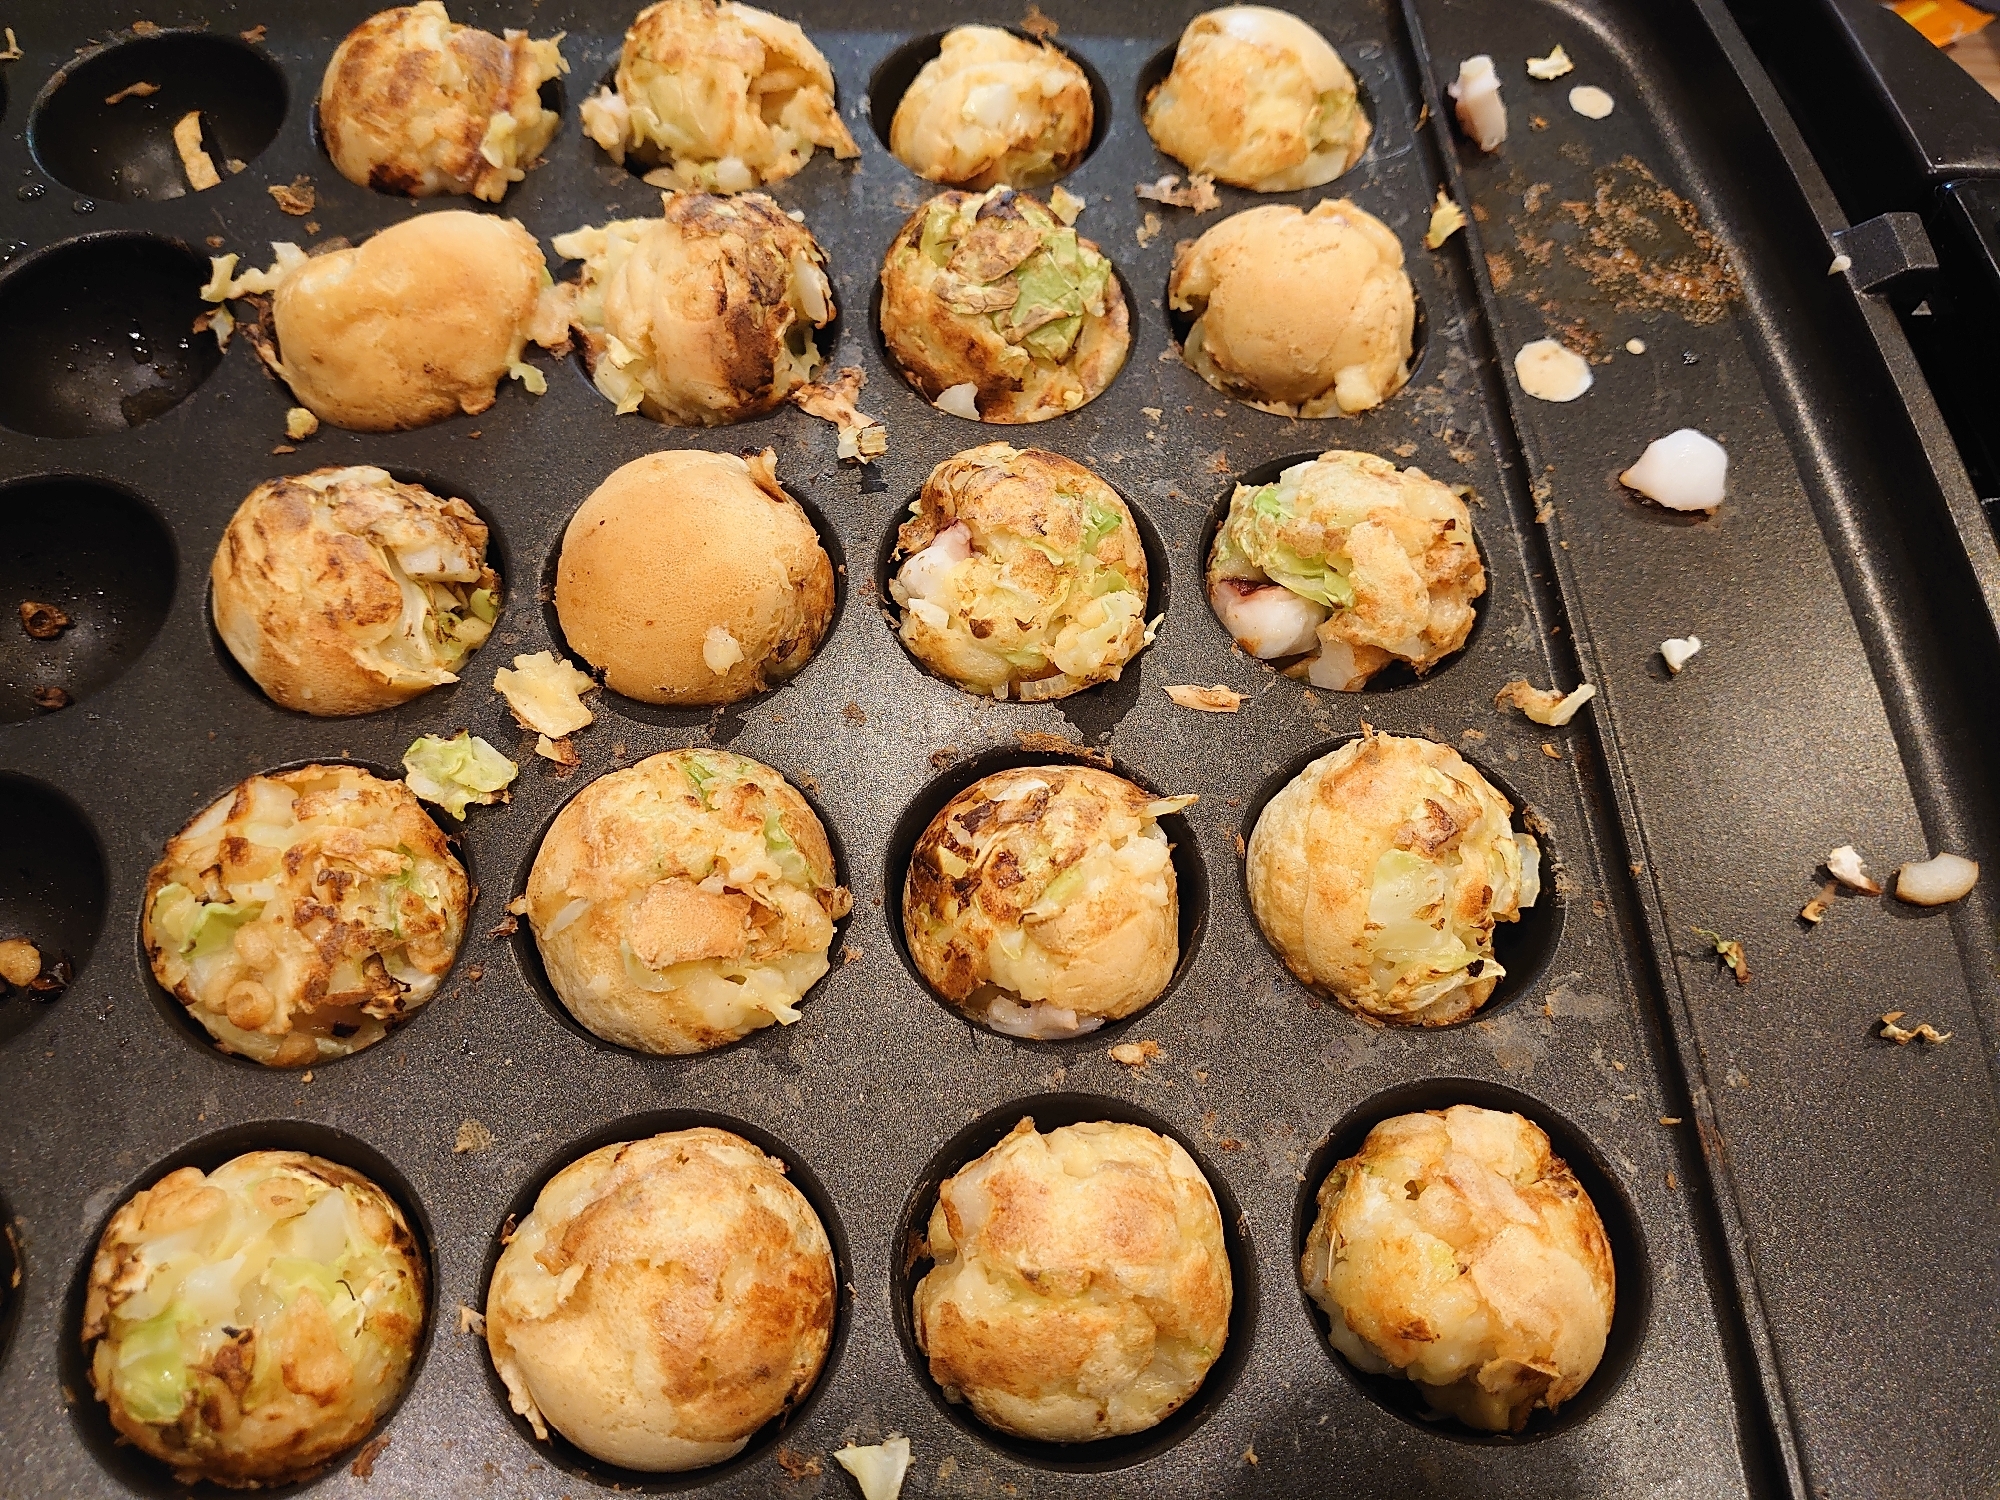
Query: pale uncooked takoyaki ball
1456, 1250
1379, 873
993, 109
1080, 1286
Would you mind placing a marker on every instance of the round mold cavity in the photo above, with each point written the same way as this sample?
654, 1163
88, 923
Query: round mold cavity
99, 555
1094, 711
1396, 675
140, 1474
1190, 875
1178, 324
181, 1020
564, 1454
1525, 949
52, 886
896, 72
1633, 1303
997, 431
721, 719
528, 954
498, 556
126, 150
101, 335
1104, 1455
1161, 63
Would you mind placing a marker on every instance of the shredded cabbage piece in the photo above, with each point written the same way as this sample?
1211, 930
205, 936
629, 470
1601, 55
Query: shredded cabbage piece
457, 772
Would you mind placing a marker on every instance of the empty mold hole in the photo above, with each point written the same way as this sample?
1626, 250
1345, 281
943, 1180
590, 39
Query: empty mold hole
1524, 948
1104, 1455
182, 1020
571, 1459
1632, 1301
139, 1473
896, 72
100, 335
52, 885
1190, 874
528, 953
1396, 674
126, 149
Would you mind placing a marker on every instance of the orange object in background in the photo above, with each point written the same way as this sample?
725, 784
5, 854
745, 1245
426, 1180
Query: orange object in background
1942, 21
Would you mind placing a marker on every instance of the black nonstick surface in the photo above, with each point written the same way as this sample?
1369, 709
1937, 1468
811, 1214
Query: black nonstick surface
1809, 1263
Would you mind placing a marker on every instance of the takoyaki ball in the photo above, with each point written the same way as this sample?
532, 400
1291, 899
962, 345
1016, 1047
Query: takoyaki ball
342, 591
1379, 873
1456, 1250
305, 913
1042, 901
992, 109
1023, 577
717, 97
1259, 100
415, 104
996, 310
1300, 314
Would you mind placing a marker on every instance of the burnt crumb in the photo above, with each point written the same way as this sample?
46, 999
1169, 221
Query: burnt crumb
214, 242
473, 1137
1044, 743
506, 927
1499, 269
363, 1467
849, 954
1229, 1143
298, 199
507, 1229
944, 759
344, 1028
853, 714
49, 699
915, 1248
254, 35
797, 1465
1037, 25
44, 622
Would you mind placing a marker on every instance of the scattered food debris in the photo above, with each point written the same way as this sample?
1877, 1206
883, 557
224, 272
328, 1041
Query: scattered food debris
20, 962
44, 622
1635, 346
1148, 230
472, 1137
298, 200
1670, 1119
862, 437
1845, 866
797, 1465
545, 694
1550, 751
1037, 25
849, 954
1840, 263
1902, 1036
200, 169
1554, 65
1549, 372
132, 91
49, 699
1250, 1455
363, 1466
1041, 742
959, 401
506, 927
1137, 1055
1730, 951
1678, 651
1590, 101
471, 1321
1685, 470
300, 424
854, 714
1064, 204
457, 772
218, 320
1199, 194
1447, 218
1481, 115
1815, 910
561, 751
1213, 700
518, 906
878, 1469
1543, 705
13, 52
1940, 879
253, 36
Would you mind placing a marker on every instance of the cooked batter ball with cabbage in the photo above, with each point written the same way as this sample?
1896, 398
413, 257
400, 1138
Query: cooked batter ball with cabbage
304, 914
1080, 1287
246, 1325
1379, 873
704, 315
664, 1300
413, 103
685, 902
1042, 902
1023, 576
342, 591
419, 322
1344, 566
1260, 100
1299, 314
1456, 1250
993, 109
693, 578
717, 97
996, 310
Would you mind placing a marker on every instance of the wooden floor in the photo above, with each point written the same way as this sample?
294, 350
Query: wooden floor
1979, 55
